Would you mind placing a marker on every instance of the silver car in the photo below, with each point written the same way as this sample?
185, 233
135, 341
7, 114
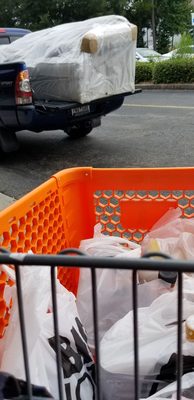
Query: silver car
143, 54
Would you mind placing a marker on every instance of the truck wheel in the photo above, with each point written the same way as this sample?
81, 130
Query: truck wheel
8, 141
79, 130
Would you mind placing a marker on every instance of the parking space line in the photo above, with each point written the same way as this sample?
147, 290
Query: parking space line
159, 106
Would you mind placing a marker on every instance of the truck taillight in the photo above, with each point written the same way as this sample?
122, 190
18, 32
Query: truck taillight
23, 91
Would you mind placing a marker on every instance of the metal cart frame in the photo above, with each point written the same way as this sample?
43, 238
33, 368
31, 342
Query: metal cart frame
72, 257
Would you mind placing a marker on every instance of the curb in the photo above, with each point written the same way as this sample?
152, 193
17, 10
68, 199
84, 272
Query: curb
165, 86
5, 201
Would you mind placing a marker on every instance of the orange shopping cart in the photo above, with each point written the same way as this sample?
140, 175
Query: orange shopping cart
54, 217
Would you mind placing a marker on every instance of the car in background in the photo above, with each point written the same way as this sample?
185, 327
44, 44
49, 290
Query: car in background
143, 54
9, 35
187, 51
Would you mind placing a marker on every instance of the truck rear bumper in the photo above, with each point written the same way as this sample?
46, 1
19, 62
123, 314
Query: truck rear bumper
58, 115
52, 115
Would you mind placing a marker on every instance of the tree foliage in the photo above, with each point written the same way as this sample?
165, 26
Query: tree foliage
37, 15
9, 12
171, 17
139, 12
117, 6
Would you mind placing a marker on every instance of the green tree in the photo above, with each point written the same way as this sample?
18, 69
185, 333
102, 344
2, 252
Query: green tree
38, 15
118, 7
184, 46
76, 10
9, 12
171, 17
139, 13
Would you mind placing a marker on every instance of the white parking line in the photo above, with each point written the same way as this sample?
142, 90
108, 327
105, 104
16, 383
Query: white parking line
159, 106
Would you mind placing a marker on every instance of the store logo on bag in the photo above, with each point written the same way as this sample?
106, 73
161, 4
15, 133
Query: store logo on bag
76, 363
168, 372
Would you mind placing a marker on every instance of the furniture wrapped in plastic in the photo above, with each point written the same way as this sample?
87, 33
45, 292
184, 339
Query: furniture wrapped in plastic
79, 61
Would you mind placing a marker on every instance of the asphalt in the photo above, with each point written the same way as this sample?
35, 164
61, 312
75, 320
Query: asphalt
6, 201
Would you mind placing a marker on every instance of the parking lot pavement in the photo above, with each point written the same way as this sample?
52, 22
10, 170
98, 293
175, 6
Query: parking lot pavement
5, 201
151, 129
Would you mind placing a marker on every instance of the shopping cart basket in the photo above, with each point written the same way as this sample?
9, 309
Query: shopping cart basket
97, 262
64, 210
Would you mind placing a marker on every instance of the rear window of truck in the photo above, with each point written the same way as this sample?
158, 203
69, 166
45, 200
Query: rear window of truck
9, 35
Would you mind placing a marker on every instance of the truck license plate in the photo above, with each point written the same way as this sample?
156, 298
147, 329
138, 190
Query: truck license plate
80, 110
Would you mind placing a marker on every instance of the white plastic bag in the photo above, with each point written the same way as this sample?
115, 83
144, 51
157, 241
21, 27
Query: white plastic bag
173, 235
170, 391
76, 359
109, 246
113, 286
157, 340
36, 296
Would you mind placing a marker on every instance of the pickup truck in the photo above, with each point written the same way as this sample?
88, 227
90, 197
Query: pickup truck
19, 111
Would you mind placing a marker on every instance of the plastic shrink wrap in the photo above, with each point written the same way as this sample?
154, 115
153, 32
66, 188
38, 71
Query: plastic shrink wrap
79, 61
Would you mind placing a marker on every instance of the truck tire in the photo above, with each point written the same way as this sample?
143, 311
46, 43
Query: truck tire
8, 141
79, 130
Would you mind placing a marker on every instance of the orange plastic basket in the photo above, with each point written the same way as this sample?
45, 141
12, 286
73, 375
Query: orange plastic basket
64, 210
